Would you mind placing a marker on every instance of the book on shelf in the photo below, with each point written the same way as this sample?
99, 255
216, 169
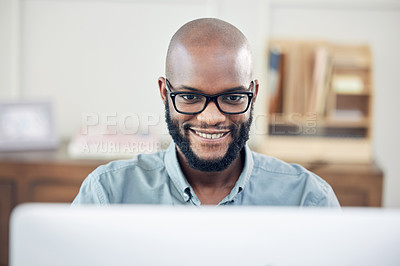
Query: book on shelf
319, 88
293, 80
347, 83
347, 115
276, 67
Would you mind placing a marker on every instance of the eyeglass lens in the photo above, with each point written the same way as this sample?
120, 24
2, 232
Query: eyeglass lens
230, 103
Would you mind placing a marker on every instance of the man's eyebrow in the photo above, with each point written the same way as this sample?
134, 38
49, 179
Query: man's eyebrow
239, 88
189, 88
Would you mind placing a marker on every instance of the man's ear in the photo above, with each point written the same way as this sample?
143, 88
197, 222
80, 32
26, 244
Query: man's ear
255, 90
163, 89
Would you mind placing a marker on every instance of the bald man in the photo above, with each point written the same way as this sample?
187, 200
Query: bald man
209, 95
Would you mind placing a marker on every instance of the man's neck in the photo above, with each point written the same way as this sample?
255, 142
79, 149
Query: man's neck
212, 187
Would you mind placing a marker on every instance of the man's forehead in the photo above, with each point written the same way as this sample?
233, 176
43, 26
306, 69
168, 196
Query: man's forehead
210, 63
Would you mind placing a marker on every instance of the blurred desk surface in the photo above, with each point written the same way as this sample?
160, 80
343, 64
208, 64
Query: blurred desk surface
59, 155
51, 176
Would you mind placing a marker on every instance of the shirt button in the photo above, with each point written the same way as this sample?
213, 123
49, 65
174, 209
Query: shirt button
186, 196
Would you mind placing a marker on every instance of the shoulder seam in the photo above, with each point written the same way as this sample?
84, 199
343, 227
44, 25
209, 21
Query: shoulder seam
324, 187
105, 171
277, 172
96, 183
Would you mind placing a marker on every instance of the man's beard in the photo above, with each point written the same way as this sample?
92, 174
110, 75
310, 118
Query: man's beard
239, 133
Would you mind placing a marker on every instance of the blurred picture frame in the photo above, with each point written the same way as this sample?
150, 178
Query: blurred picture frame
27, 125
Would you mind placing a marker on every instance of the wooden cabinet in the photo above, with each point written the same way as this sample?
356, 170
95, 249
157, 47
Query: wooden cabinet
354, 184
39, 176
7, 202
52, 182
50, 176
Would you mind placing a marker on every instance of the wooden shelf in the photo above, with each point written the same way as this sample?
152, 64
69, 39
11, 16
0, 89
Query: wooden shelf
367, 94
305, 150
326, 122
320, 89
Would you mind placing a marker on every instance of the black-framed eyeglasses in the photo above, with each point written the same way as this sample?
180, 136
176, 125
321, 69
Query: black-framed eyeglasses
191, 103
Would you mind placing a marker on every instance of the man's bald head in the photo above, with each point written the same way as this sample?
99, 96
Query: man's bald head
206, 33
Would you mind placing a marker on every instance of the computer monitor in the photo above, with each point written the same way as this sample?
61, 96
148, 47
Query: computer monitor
54, 234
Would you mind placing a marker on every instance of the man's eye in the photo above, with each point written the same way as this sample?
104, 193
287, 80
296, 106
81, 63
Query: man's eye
190, 97
233, 98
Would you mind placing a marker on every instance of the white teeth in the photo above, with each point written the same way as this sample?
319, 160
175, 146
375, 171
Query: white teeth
209, 136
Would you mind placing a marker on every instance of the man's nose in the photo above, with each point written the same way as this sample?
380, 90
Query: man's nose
211, 115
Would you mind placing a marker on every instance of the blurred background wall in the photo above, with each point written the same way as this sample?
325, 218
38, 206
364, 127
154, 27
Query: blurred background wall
104, 56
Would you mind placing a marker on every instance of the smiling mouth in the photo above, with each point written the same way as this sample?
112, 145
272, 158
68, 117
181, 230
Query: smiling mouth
210, 135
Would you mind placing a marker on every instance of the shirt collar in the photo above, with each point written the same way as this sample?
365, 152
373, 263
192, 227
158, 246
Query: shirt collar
175, 172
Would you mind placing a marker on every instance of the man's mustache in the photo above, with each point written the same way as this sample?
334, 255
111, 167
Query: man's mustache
187, 126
